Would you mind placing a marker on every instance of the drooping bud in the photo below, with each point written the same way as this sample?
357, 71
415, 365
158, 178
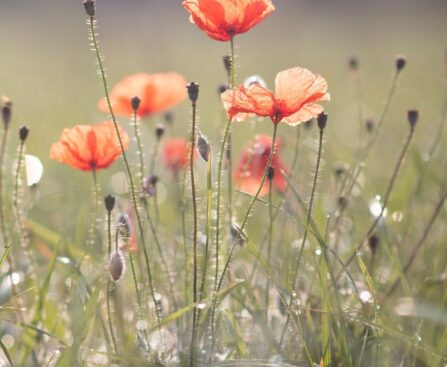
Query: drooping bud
116, 266
159, 131
227, 63
353, 63
203, 147
23, 133
6, 105
109, 201
413, 117
401, 61
89, 6
193, 91
135, 103
373, 243
322, 120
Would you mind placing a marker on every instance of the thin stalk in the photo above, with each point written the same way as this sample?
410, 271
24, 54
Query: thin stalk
2, 202
125, 161
238, 236
226, 134
269, 248
386, 196
137, 133
109, 251
192, 356
306, 228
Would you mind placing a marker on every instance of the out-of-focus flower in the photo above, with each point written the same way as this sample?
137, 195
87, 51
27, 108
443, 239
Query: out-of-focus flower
296, 91
88, 147
252, 164
223, 19
156, 92
175, 153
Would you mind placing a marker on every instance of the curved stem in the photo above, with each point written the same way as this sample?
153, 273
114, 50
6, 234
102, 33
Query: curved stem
126, 165
139, 146
2, 203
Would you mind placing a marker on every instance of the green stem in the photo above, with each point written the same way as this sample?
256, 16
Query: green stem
126, 164
2, 203
139, 146
269, 248
192, 356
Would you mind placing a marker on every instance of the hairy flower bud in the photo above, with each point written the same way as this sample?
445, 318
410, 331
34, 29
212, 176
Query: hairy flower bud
322, 120
203, 147
135, 103
116, 265
413, 117
89, 6
193, 91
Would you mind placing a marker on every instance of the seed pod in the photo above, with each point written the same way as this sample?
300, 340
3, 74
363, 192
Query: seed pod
227, 63
23, 133
401, 61
89, 6
322, 120
135, 103
116, 266
373, 243
413, 117
159, 131
109, 201
193, 91
6, 106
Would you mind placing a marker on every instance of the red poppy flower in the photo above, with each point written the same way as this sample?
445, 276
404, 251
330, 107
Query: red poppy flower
252, 165
157, 92
88, 147
175, 154
296, 91
223, 19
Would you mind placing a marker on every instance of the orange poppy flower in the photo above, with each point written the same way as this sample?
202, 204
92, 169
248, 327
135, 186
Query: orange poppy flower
88, 147
296, 91
252, 165
223, 19
157, 92
175, 154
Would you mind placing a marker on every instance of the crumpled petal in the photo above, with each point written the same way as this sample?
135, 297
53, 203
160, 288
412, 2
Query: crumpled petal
242, 102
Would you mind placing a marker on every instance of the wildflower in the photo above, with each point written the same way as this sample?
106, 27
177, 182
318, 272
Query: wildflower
127, 237
223, 19
175, 154
296, 91
252, 165
155, 92
89, 147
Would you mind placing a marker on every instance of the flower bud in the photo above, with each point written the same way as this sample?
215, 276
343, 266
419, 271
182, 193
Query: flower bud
227, 63
353, 63
109, 201
135, 103
413, 117
193, 91
124, 226
322, 120
369, 125
150, 185
237, 234
89, 6
203, 147
23, 133
222, 87
6, 106
159, 131
116, 266
401, 61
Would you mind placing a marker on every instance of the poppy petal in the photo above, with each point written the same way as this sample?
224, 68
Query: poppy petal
242, 102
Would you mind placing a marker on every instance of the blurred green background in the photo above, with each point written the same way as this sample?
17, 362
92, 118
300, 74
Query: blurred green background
49, 71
